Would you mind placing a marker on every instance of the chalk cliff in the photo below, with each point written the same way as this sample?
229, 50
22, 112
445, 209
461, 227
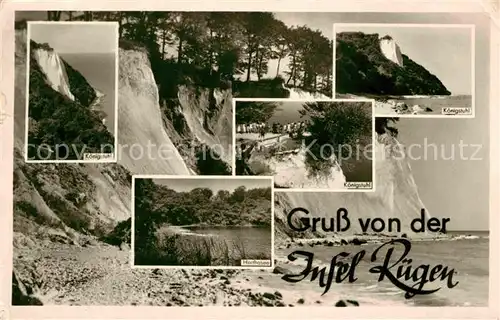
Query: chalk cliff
60, 108
370, 64
75, 203
145, 145
391, 50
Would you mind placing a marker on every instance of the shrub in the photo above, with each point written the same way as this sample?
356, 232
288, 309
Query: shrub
182, 250
338, 125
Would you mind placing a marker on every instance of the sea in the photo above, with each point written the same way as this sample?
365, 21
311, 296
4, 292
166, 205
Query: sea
467, 256
257, 241
99, 70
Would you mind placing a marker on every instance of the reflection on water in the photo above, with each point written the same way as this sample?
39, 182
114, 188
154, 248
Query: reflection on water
255, 241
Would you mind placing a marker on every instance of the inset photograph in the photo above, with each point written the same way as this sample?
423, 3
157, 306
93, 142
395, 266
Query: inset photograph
409, 69
72, 91
276, 54
202, 221
306, 145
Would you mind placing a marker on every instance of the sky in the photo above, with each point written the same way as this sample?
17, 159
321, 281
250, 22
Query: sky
183, 185
77, 38
442, 51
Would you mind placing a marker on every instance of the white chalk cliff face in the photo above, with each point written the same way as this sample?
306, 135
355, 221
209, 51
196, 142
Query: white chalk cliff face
396, 195
146, 147
391, 51
53, 68
195, 105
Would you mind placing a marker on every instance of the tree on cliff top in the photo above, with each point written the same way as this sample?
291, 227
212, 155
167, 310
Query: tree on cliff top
383, 125
226, 42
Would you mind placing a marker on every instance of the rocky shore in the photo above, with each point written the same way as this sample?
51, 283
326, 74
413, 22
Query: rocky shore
99, 274
359, 239
389, 105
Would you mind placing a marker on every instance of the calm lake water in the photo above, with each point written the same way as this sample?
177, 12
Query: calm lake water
469, 258
256, 240
99, 70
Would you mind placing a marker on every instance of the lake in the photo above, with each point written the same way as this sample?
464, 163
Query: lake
99, 70
256, 241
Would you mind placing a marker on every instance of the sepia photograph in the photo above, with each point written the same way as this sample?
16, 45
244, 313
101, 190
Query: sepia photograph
200, 222
308, 145
180, 220
409, 69
72, 91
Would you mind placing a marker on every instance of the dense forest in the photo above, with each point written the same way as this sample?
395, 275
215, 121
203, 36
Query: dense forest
362, 68
201, 206
56, 120
209, 47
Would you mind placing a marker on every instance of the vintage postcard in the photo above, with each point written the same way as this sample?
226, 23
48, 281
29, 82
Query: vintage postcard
177, 159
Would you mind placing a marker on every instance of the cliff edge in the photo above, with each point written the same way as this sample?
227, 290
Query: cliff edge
369, 64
